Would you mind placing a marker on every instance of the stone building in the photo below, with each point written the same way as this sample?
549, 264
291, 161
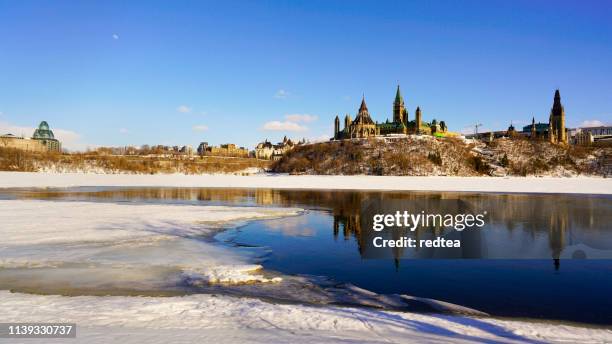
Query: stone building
22, 143
553, 131
43, 140
268, 151
363, 126
556, 122
589, 135
228, 149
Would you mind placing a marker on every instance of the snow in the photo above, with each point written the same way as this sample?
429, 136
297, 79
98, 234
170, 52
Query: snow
141, 238
575, 185
224, 319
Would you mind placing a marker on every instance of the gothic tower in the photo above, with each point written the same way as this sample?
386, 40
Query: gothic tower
552, 136
405, 117
417, 120
337, 128
398, 107
347, 122
557, 120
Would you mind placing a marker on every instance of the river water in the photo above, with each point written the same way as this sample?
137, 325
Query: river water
538, 256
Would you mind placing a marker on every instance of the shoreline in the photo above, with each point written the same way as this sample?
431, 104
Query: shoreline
545, 185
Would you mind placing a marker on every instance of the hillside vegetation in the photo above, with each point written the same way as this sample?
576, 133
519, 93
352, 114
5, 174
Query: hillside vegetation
426, 155
17, 160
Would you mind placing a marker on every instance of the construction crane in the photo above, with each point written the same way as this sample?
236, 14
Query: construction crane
476, 126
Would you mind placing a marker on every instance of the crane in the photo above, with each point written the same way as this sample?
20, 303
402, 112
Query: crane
476, 128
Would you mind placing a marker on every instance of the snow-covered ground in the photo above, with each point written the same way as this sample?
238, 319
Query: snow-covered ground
145, 245
223, 319
120, 249
578, 185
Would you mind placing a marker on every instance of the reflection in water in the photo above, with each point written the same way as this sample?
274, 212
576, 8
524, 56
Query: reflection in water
518, 225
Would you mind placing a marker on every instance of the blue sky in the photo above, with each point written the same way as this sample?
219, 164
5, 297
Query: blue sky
180, 72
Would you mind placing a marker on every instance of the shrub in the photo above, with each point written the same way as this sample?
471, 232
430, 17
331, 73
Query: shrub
504, 162
479, 165
435, 158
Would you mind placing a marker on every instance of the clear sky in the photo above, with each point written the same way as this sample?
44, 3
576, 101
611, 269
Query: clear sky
180, 72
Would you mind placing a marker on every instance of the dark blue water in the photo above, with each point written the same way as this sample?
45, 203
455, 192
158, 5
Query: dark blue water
574, 290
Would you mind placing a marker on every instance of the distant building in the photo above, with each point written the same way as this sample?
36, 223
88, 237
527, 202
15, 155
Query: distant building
22, 143
556, 122
363, 126
188, 150
535, 130
45, 135
43, 140
554, 131
228, 149
267, 151
588, 135
202, 148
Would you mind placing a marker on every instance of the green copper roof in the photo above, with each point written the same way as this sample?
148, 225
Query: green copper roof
398, 96
43, 132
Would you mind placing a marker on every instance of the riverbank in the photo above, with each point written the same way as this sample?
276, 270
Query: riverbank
223, 319
575, 185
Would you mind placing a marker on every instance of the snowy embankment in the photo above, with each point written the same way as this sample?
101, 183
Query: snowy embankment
94, 248
223, 319
575, 185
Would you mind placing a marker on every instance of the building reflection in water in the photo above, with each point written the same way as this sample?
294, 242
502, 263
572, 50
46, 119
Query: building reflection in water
518, 225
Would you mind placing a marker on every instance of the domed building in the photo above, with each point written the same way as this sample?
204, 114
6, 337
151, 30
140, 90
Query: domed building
45, 136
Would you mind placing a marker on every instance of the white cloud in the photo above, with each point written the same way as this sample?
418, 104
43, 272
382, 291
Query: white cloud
591, 123
306, 118
200, 128
123, 131
320, 138
183, 109
284, 126
281, 94
115, 36
70, 140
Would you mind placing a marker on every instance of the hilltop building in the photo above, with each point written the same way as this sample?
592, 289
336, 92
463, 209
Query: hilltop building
556, 122
43, 140
554, 130
268, 151
363, 126
228, 149
589, 135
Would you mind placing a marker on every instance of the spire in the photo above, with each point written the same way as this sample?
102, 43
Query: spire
557, 98
363, 107
398, 96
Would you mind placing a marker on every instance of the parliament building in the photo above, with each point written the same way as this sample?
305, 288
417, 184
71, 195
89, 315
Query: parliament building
363, 126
